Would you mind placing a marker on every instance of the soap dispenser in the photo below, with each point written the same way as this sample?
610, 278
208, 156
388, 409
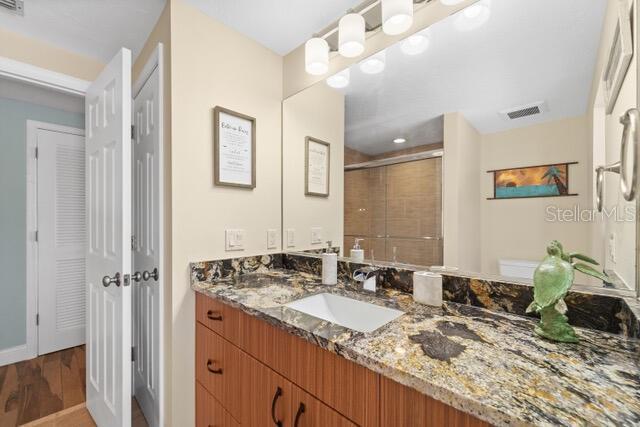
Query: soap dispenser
357, 253
329, 266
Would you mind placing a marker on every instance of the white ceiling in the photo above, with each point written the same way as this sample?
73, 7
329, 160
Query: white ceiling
529, 51
280, 25
96, 28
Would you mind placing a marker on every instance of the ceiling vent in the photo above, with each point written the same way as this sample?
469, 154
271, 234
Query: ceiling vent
13, 6
522, 111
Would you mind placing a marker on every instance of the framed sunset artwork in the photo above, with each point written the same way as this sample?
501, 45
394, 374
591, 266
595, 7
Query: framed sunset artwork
532, 181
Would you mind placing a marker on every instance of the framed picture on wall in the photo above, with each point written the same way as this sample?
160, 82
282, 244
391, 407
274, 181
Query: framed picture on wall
317, 167
234, 149
532, 181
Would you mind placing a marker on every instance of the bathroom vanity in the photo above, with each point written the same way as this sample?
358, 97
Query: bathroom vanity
259, 362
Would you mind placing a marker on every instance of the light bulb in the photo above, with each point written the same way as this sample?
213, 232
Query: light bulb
415, 44
316, 56
399, 140
351, 29
397, 16
473, 16
374, 64
339, 80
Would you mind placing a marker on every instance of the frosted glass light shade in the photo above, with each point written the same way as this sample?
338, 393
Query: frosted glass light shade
397, 16
316, 56
374, 64
351, 35
339, 80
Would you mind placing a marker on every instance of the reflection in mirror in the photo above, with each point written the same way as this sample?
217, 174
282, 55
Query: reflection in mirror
474, 143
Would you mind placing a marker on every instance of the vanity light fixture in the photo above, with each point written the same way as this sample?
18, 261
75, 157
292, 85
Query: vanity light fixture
339, 80
399, 140
351, 29
374, 64
316, 56
415, 44
397, 16
473, 16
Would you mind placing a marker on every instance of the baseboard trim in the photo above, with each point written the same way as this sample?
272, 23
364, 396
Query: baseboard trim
14, 354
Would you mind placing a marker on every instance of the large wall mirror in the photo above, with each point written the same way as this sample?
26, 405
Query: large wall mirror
474, 143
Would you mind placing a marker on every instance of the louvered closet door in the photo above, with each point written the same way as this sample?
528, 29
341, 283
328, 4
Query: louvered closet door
61, 238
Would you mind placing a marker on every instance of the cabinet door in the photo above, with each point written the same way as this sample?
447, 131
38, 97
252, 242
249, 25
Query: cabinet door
209, 413
266, 394
218, 368
308, 411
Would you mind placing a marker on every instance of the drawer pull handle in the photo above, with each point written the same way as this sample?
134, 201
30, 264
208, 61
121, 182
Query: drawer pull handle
273, 407
298, 414
210, 368
211, 316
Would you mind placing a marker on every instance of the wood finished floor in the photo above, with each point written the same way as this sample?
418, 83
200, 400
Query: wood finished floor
52, 387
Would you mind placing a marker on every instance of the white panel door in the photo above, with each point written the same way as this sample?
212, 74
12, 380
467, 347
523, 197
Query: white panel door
146, 247
61, 237
108, 256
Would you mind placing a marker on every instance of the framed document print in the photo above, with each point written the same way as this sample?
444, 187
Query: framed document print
234, 150
317, 162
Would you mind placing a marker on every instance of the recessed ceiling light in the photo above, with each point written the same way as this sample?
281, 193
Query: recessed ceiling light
339, 80
451, 2
415, 44
473, 16
399, 140
373, 64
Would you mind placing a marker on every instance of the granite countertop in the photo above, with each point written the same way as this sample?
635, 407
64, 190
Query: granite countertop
488, 364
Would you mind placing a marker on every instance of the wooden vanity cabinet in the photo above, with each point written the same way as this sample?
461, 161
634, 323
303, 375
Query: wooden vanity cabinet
251, 373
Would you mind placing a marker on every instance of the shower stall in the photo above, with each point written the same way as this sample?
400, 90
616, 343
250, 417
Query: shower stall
395, 206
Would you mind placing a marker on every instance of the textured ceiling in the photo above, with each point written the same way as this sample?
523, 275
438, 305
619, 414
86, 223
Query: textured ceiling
280, 25
529, 51
95, 28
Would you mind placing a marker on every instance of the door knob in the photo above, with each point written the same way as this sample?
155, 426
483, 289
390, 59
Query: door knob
136, 277
146, 275
106, 280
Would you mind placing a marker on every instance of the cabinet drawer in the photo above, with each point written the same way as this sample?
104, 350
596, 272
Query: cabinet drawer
308, 411
209, 413
218, 368
219, 317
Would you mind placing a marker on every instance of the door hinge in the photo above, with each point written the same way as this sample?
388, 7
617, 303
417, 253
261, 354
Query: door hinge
134, 243
133, 354
36, 235
36, 152
133, 132
38, 319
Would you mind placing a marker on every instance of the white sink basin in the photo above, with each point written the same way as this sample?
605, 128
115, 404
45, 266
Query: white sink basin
347, 312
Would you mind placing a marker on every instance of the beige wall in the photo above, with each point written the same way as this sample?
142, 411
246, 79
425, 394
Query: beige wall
517, 228
318, 112
461, 193
41, 54
161, 33
607, 134
295, 78
213, 65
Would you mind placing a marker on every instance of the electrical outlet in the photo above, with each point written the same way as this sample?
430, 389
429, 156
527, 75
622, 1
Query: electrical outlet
291, 237
234, 240
272, 236
612, 247
316, 235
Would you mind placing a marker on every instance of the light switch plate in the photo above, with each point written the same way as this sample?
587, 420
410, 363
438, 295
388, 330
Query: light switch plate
316, 235
272, 236
234, 240
291, 237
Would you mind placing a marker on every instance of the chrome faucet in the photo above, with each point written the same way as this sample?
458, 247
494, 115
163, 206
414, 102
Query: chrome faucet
368, 277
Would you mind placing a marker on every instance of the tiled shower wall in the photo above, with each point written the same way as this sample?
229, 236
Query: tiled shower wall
396, 207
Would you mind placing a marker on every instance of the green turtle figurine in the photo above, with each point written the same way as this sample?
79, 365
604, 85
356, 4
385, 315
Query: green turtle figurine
551, 281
